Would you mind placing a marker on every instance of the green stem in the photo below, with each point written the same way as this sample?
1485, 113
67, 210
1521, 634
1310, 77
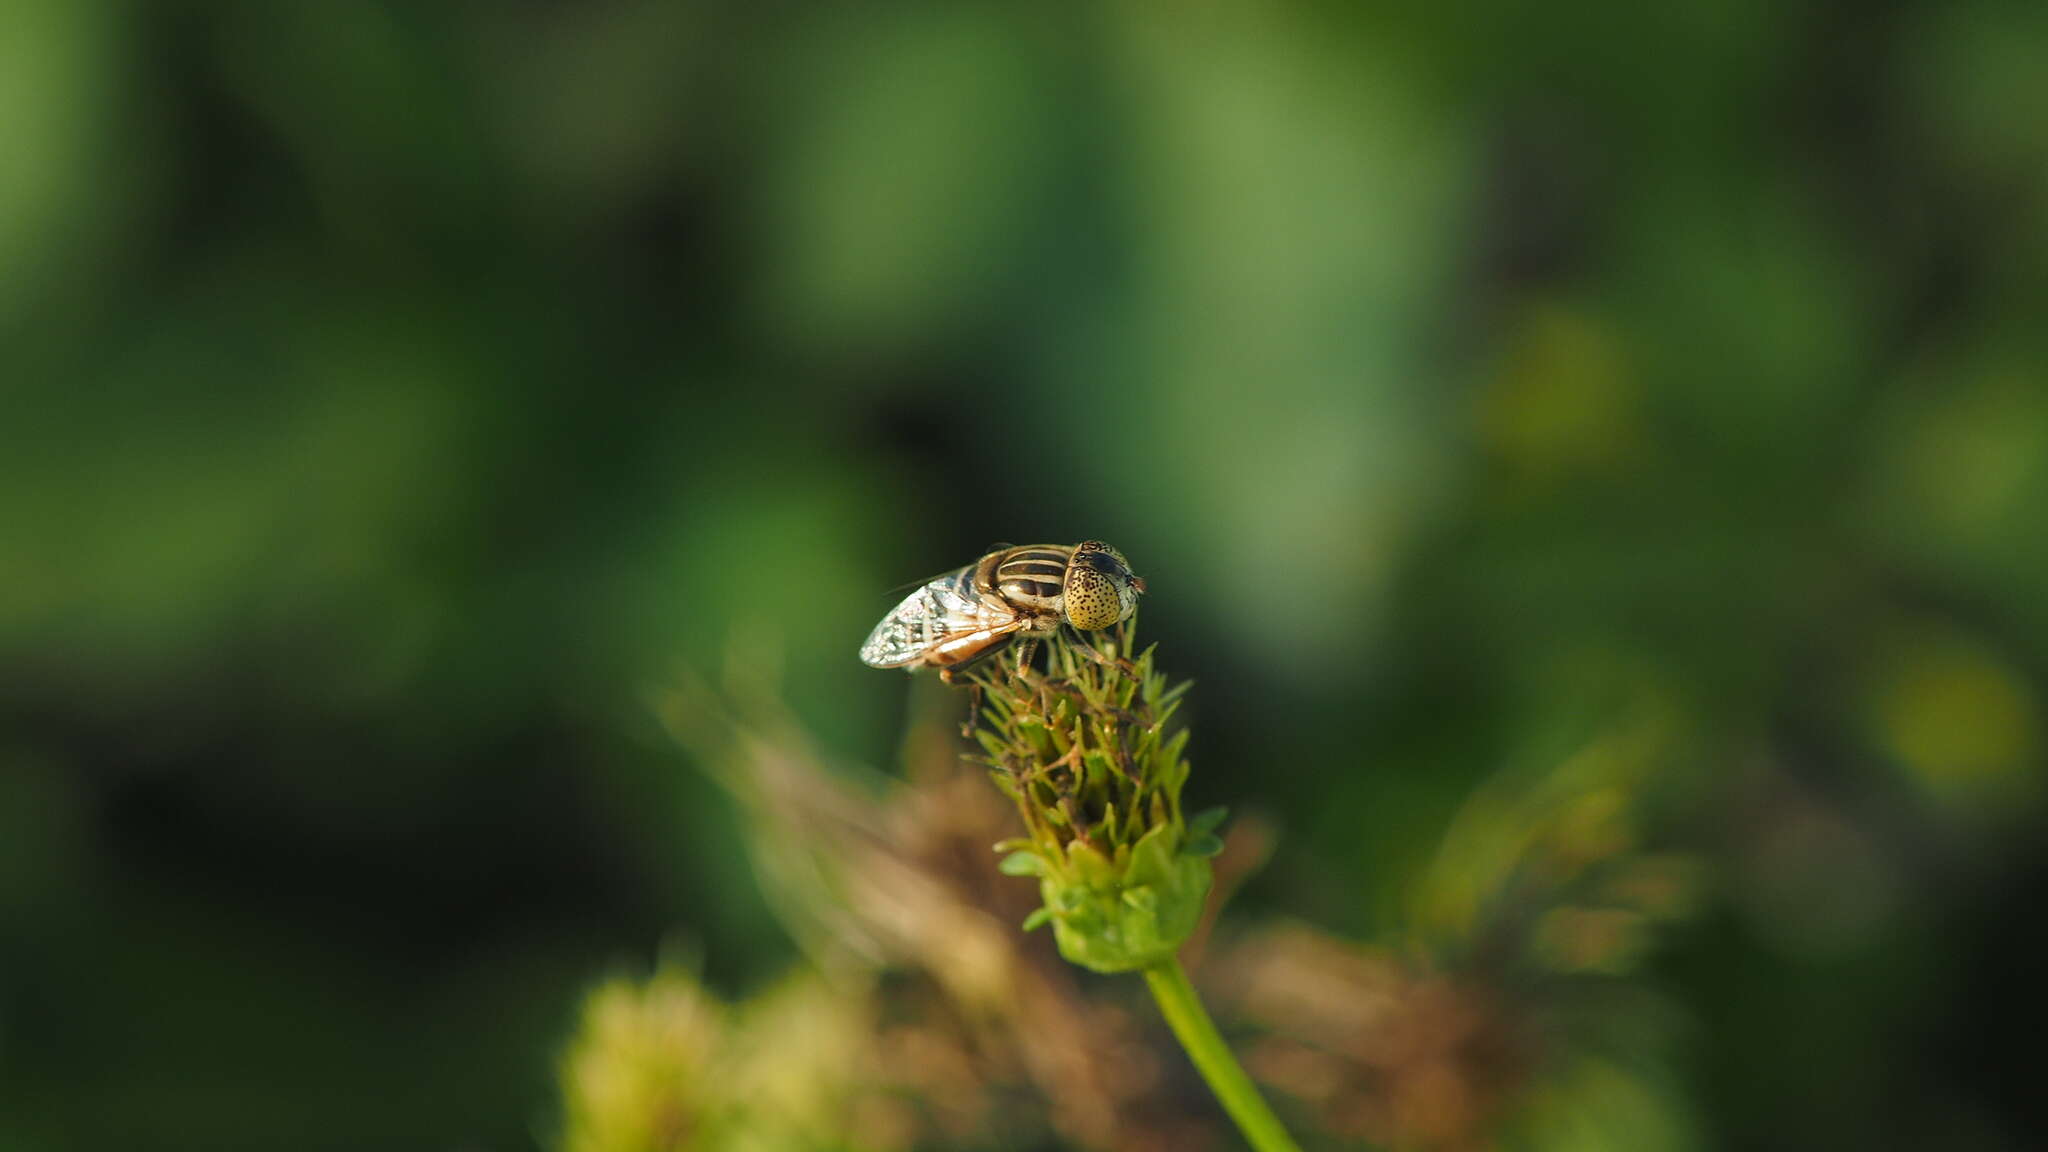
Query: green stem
1197, 1033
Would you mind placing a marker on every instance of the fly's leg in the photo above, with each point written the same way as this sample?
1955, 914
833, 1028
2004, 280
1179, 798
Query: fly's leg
1087, 648
1027, 651
973, 711
951, 676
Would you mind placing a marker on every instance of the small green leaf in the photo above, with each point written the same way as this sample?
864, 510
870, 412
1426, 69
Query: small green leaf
1092, 866
1204, 845
1166, 712
1172, 773
1206, 821
1148, 739
1177, 744
1021, 864
1037, 919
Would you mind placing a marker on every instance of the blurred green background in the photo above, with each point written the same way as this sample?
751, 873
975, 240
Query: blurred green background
390, 394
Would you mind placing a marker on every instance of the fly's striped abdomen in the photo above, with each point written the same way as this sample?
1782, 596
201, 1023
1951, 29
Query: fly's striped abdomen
1031, 577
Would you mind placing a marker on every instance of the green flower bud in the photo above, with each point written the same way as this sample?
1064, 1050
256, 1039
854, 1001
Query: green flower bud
1083, 751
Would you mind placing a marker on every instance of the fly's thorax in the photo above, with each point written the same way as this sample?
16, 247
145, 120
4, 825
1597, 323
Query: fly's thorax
1032, 578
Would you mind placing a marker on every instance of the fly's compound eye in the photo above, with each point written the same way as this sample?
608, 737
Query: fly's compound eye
1100, 590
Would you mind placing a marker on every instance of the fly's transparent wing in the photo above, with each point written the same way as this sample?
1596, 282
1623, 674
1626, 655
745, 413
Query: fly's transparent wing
943, 608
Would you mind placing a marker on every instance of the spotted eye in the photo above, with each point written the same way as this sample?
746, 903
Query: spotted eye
1099, 588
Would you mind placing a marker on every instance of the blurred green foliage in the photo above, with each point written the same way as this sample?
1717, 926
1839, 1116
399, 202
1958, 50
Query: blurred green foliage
390, 393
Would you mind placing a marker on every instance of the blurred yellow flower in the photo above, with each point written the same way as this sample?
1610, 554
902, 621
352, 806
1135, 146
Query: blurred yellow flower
1959, 719
641, 1072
